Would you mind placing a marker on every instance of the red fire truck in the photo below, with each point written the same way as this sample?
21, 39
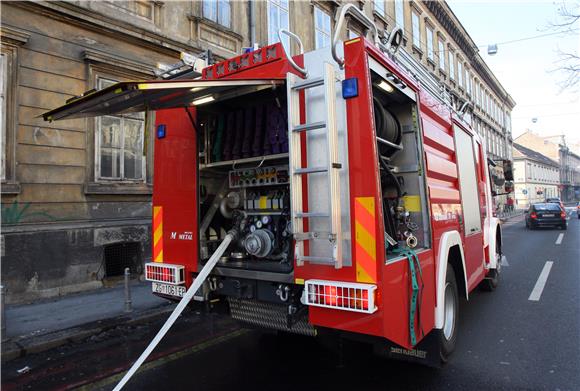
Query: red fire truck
338, 190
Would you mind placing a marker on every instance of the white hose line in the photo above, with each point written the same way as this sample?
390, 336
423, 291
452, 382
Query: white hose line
178, 310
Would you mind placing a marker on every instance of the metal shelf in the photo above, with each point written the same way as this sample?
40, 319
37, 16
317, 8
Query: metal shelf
258, 159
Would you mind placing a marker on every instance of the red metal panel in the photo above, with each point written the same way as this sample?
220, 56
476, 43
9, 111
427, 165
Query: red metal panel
440, 168
439, 193
437, 137
175, 188
396, 295
268, 62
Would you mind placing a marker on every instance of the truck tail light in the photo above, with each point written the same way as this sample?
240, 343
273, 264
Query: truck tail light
163, 272
339, 295
533, 215
563, 214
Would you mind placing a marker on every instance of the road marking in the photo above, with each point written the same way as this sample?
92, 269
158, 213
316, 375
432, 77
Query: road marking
504, 261
560, 237
541, 283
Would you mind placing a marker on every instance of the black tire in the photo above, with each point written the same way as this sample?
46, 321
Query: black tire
564, 227
448, 336
492, 280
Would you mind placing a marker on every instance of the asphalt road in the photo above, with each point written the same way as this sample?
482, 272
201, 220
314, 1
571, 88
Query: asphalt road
523, 336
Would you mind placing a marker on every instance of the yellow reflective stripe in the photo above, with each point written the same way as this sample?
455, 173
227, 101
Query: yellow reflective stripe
366, 241
158, 234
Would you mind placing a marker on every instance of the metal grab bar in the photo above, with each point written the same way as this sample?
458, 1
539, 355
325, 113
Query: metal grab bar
394, 40
303, 71
352, 10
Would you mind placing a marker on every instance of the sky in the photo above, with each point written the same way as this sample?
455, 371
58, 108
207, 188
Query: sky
527, 69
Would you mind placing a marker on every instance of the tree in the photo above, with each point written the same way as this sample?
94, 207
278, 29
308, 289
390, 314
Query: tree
569, 61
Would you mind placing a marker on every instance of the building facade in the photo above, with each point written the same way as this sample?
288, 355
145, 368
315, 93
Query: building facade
536, 177
555, 148
76, 194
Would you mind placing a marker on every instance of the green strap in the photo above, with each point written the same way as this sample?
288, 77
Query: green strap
413, 260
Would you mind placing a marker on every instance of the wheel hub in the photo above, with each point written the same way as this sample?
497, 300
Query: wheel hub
449, 318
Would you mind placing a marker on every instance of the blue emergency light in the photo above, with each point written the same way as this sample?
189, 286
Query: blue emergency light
161, 131
350, 88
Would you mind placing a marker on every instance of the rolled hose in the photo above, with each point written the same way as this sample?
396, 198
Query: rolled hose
386, 124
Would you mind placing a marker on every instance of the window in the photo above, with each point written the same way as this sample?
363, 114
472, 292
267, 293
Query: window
3, 92
119, 145
459, 73
416, 30
278, 18
400, 14
322, 28
379, 7
352, 34
467, 82
430, 52
451, 65
441, 55
219, 11
477, 94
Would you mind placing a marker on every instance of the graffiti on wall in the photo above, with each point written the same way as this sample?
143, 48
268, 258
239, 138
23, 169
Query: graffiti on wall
18, 212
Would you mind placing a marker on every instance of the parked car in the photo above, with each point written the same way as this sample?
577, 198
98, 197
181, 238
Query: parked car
556, 200
546, 214
578, 210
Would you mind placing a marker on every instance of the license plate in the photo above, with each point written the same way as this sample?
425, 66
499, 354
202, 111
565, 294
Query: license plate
167, 289
548, 215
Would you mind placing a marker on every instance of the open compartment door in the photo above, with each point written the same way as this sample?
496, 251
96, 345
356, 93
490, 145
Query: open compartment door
137, 96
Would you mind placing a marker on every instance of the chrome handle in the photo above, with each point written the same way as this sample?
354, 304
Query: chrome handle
303, 71
352, 10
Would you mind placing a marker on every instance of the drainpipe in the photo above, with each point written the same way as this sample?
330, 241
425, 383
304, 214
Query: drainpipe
252, 22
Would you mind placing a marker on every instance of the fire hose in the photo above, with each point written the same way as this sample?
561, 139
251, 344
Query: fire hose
201, 277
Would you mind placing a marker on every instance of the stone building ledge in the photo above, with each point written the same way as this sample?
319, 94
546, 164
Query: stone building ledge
95, 188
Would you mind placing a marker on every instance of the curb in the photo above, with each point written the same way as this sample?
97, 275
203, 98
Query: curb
506, 218
21, 346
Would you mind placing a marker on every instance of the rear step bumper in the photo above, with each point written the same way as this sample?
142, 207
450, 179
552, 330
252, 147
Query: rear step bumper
268, 315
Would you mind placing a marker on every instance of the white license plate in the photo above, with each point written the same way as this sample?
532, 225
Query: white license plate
167, 289
548, 215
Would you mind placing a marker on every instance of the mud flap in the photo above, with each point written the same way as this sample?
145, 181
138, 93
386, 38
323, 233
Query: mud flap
425, 352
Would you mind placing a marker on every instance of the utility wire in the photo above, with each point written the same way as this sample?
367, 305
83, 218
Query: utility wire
532, 37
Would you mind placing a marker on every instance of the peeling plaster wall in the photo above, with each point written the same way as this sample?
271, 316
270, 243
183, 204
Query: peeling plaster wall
42, 264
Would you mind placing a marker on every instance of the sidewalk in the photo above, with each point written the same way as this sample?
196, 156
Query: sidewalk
32, 328
504, 216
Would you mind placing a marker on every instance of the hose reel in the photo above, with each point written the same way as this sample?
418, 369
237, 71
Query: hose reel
387, 127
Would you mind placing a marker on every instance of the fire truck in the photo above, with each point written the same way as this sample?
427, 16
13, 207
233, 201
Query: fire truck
335, 191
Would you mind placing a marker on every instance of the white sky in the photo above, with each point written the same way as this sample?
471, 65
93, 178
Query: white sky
526, 68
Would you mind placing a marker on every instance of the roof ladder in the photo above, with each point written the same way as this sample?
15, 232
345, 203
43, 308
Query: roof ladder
299, 207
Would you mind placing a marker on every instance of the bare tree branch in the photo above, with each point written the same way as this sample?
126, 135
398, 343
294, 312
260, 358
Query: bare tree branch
568, 63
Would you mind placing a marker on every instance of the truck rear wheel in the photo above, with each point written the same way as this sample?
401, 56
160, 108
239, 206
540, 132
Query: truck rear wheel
448, 334
492, 280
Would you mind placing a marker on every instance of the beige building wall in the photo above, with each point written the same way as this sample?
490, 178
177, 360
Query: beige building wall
66, 226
